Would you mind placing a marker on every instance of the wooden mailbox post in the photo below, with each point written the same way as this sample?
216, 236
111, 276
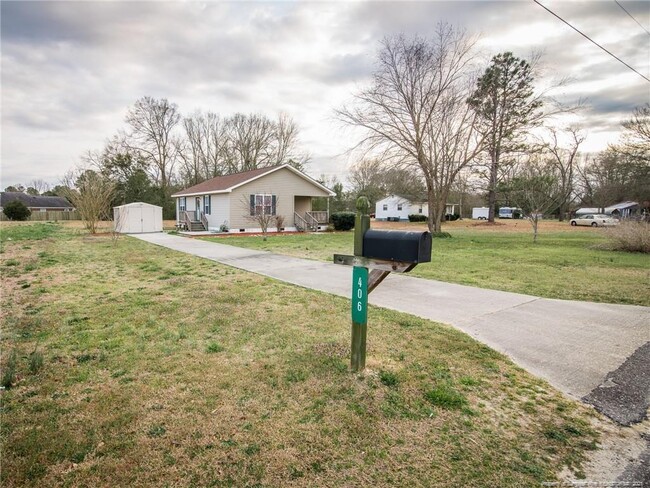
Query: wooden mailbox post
381, 252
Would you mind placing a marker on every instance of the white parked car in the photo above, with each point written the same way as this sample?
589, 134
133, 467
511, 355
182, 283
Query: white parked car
595, 220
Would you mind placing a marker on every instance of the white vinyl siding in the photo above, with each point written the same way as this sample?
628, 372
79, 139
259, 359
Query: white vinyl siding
219, 211
284, 184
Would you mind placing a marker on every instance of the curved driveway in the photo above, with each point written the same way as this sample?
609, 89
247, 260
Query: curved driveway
593, 351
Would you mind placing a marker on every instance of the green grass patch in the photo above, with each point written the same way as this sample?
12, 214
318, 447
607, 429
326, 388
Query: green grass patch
28, 232
213, 347
569, 264
445, 396
217, 377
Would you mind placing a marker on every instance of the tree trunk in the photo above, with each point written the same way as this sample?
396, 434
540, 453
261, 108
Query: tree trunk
492, 190
439, 216
535, 221
433, 220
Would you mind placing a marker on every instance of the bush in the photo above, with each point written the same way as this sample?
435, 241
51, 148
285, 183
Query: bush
279, 222
440, 235
17, 210
451, 217
629, 236
417, 218
343, 220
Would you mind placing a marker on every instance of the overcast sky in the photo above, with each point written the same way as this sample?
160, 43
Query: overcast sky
70, 70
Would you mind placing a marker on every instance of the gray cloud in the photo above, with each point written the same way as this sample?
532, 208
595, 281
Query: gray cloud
70, 70
342, 68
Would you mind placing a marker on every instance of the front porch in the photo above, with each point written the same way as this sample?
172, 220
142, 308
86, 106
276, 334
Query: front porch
305, 218
195, 223
312, 220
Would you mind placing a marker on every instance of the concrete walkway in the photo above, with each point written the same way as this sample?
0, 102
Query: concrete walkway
573, 345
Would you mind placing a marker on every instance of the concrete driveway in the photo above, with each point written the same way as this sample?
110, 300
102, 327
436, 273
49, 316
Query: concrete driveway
596, 352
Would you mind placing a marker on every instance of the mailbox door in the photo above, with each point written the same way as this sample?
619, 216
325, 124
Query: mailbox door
411, 247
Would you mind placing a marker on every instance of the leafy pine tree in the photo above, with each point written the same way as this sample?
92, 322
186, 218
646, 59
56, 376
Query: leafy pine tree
505, 104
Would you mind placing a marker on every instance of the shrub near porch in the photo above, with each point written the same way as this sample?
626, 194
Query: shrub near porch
165, 369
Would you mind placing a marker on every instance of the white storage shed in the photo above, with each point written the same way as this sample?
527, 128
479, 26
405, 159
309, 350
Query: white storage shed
137, 218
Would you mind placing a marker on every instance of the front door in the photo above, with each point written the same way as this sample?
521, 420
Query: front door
197, 212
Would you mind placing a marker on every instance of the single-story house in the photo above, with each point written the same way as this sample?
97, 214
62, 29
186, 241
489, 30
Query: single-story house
396, 207
621, 210
232, 202
36, 203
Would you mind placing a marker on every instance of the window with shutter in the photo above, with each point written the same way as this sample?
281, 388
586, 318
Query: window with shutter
263, 204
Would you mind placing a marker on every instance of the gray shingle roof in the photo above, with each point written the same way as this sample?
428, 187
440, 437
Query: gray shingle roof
33, 201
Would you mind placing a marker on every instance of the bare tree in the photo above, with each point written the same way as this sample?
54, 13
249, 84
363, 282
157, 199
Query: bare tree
366, 177
415, 112
637, 131
251, 141
40, 185
91, 194
203, 152
455, 144
261, 210
535, 189
564, 161
613, 176
213, 146
152, 124
286, 138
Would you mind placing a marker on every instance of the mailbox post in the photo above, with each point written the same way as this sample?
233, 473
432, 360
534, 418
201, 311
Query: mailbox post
382, 252
359, 289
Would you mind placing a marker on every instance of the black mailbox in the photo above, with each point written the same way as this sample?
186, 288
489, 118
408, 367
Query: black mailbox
410, 247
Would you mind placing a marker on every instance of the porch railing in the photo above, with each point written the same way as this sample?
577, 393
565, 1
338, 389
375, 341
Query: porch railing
299, 222
312, 223
204, 221
320, 216
187, 220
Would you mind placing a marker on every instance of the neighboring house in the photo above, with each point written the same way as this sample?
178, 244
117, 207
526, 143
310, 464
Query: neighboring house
36, 203
231, 202
621, 210
396, 207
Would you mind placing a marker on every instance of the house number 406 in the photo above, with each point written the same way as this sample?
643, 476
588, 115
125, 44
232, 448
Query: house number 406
360, 295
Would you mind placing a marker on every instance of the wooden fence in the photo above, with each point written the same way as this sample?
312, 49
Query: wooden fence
52, 216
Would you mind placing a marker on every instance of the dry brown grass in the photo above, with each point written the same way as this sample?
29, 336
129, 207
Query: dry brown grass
629, 236
133, 393
502, 225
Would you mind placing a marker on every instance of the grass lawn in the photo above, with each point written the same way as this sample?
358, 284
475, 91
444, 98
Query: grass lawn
565, 263
139, 366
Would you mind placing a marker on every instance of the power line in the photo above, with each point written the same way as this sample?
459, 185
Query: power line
632, 17
591, 40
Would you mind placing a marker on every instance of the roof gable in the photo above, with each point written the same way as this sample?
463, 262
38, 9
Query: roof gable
402, 199
225, 184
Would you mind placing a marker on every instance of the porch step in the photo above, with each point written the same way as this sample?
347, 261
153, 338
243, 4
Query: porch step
196, 226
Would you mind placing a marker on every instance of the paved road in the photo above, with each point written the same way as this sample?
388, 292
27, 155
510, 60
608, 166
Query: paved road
581, 348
